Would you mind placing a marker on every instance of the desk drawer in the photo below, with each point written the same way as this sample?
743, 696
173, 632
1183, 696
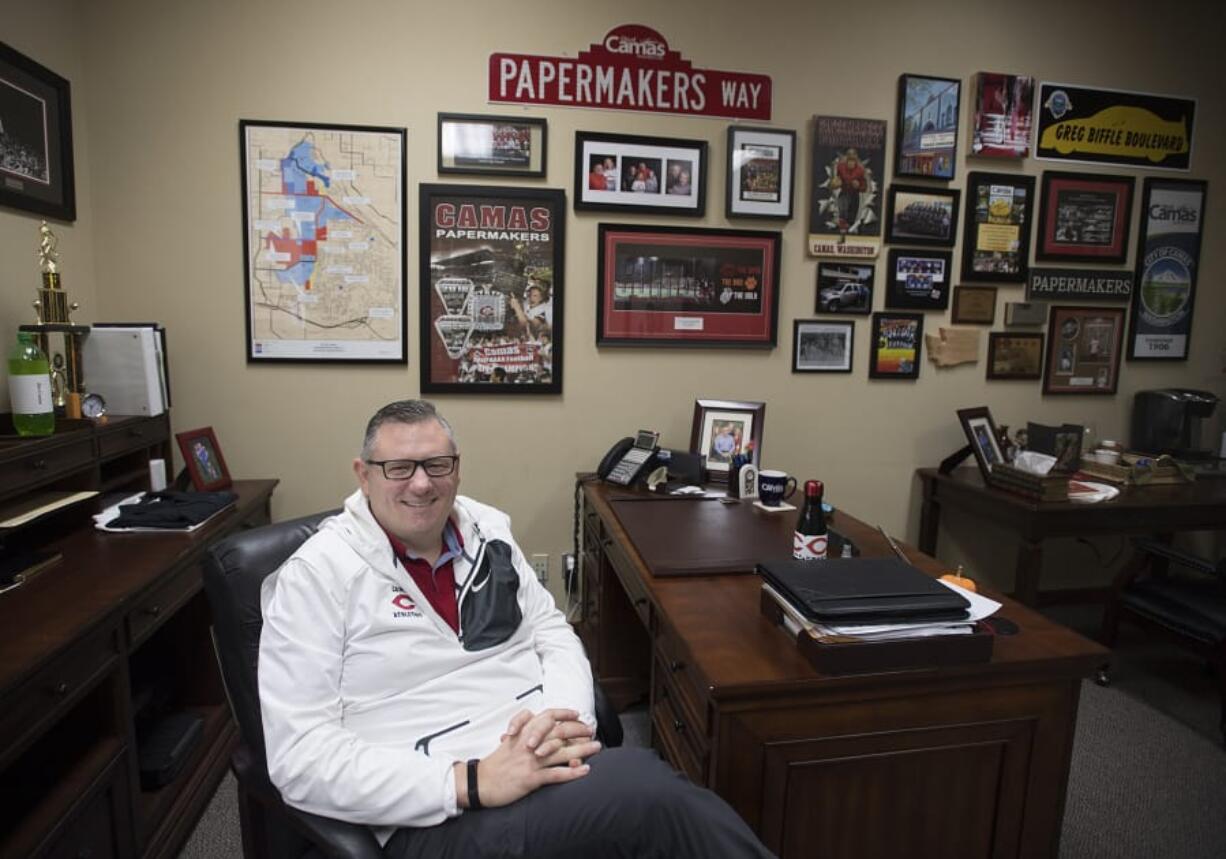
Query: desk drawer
151, 610
673, 664
38, 468
683, 743
132, 435
628, 576
45, 696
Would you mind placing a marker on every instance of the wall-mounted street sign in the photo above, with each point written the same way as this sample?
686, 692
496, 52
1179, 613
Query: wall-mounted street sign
1106, 126
632, 68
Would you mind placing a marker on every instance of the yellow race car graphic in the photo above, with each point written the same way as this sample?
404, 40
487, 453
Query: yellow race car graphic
1130, 132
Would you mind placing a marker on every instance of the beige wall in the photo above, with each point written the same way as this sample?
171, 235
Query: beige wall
159, 88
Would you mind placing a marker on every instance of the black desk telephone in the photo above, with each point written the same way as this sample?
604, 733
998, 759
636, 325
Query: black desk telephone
627, 459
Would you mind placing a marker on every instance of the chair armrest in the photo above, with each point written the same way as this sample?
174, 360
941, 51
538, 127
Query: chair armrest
1170, 553
337, 839
608, 725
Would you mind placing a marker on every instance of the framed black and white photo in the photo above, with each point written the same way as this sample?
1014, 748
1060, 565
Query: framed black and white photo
926, 133
822, 346
491, 145
761, 172
36, 165
844, 287
648, 175
1084, 217
996, 235
918, 279
922, 216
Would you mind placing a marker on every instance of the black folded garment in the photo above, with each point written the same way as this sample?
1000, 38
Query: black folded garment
171, 510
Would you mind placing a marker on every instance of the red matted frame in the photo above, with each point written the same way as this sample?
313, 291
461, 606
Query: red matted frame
1084, 217
202, 456
677, 286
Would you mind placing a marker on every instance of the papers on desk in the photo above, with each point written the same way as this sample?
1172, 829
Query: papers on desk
980, 607
39, 504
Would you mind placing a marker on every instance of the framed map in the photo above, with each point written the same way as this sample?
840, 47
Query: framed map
324, 242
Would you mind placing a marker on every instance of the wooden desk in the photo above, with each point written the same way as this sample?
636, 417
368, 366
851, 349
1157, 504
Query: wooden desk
1162, 510
120, 612
966, 761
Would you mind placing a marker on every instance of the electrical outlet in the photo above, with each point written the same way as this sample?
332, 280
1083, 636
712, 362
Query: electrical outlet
540, 564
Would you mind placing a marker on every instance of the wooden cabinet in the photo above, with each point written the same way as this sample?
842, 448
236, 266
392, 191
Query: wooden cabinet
119, 620
956, 761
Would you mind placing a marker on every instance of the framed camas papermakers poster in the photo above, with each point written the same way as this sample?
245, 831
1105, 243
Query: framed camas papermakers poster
1084, 217
996, 234
674, 286
491, 289
36, 164
1083, 350
761, 172
492, 145
1168, 260
645, 175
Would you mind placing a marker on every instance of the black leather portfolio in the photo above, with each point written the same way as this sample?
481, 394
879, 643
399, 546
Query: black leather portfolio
862, 591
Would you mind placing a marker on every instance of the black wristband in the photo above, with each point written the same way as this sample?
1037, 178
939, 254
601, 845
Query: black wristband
474, 796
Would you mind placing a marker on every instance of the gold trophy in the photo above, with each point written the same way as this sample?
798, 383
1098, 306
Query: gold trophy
52, 309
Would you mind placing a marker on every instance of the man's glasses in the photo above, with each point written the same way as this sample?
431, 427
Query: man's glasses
403, 469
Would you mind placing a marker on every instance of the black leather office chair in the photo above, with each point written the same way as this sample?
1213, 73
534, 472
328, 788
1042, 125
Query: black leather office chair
234, 569
1177, 595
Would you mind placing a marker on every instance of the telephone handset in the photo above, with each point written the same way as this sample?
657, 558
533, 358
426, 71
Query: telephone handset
626, 459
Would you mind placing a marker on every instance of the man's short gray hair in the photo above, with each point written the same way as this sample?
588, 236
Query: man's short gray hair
404, 412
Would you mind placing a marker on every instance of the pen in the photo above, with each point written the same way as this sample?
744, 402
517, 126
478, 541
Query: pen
894, 546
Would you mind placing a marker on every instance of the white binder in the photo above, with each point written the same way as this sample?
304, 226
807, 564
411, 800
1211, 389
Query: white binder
126, 366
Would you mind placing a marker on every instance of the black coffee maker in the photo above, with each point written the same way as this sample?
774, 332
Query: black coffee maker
1169, 421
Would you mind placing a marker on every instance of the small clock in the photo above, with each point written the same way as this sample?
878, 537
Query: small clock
93, 406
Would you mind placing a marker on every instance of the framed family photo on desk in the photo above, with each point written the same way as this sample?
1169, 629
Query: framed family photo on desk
725, 428
203, 459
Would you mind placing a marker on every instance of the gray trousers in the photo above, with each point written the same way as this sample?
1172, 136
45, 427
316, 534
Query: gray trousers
630, 806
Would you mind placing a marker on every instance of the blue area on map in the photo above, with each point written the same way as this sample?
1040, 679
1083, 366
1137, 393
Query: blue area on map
297, 274
298, 165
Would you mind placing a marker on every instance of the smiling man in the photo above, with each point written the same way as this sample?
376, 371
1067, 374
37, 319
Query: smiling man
415, 676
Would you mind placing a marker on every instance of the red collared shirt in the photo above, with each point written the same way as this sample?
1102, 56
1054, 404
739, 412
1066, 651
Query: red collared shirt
436, 582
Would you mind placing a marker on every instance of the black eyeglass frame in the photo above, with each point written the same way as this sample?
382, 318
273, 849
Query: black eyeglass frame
416, 463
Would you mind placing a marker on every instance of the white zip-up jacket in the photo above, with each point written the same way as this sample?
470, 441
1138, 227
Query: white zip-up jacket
368, 697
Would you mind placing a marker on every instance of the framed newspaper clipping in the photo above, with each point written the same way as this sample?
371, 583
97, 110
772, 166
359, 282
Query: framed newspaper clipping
491, 289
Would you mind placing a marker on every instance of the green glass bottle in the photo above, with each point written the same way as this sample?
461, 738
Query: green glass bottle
30, 388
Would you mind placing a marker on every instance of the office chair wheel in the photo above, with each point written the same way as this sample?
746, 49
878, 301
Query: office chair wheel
1103, 676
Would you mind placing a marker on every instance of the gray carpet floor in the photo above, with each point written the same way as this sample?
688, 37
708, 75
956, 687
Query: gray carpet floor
1148, 776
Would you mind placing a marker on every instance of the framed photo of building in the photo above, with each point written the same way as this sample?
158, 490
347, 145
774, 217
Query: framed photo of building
1015, 356
724, 428
677, 286
36, 165
761, 172
491, 145
492, 291
894, 351
918, 279
996, 234
1002, 115
1083, 350
982, 436
926, 134
648, 175
974, 305
845, 287
324, 242
1168, 260
1084, 217
922, 216
822, 346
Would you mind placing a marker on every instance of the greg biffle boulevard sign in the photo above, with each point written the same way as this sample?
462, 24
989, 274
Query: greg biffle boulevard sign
1080, 284
632, 68
1104, 126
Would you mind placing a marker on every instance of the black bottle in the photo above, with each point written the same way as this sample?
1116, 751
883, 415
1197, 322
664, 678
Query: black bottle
809, 538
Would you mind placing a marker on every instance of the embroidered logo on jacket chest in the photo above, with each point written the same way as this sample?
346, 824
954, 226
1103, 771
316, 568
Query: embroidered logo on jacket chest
403, 605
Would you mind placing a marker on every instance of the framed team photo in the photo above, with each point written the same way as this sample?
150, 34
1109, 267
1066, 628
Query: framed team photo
1084, 345
894, 351
1084, 217
491, 289
926, 133
1015, 356
996, 232
844, 287
761, 173
918, 279
36, 164
922, 216
648, 175
680, 286
491, 145
822, 346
